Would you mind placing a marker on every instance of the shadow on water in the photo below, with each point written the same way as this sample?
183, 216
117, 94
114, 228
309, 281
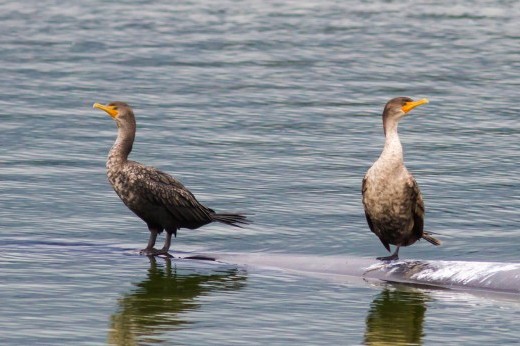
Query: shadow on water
396, 317
156, 304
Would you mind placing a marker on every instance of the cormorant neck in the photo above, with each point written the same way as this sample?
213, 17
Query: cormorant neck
122, 146
393, 150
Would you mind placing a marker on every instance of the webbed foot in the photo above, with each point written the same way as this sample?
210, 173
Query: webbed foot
393, 257
154, 252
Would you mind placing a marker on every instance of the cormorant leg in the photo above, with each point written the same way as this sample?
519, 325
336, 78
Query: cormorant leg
167, 242
392, 257
149, 250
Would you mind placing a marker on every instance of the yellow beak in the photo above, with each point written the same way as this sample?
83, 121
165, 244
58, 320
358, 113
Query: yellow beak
408, 106
111, 110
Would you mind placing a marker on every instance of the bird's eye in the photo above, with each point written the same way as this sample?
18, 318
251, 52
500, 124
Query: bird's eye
115, 108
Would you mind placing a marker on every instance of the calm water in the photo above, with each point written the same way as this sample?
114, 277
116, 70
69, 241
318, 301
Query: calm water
272, 108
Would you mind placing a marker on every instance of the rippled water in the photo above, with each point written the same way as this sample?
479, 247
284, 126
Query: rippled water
271, 108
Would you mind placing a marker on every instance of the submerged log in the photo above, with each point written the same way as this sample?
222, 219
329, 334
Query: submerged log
490, 276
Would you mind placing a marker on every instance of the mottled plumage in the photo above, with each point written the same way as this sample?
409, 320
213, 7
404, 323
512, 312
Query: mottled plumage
393, 203
156, 197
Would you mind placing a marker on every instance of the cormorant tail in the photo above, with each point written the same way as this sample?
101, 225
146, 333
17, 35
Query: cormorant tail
426, 236
236, 220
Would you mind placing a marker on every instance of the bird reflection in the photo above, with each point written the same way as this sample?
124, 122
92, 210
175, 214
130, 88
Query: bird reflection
156, 304
396, 317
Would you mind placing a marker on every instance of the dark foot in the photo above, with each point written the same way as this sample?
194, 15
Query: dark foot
393, 257
154, 252
200, 257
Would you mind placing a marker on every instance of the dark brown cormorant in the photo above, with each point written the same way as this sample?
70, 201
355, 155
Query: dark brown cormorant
394, 207
156, 197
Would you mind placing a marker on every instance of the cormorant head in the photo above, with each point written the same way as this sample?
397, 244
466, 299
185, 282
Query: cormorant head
119, 111
398, 107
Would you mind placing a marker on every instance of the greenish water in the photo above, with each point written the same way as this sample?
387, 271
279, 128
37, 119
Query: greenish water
271, 108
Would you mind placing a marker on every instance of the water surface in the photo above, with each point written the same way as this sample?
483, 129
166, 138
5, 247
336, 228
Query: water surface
271, 108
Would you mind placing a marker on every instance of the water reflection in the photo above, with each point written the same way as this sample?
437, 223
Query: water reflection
156, 304
396, 317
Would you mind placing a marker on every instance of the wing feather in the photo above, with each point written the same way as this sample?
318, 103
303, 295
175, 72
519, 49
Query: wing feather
417, 205
164, 191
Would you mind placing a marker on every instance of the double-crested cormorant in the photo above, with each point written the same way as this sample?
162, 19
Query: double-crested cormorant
156, 197
394, 207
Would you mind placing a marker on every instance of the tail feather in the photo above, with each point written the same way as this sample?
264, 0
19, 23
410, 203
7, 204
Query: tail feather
426, 236
236, 220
